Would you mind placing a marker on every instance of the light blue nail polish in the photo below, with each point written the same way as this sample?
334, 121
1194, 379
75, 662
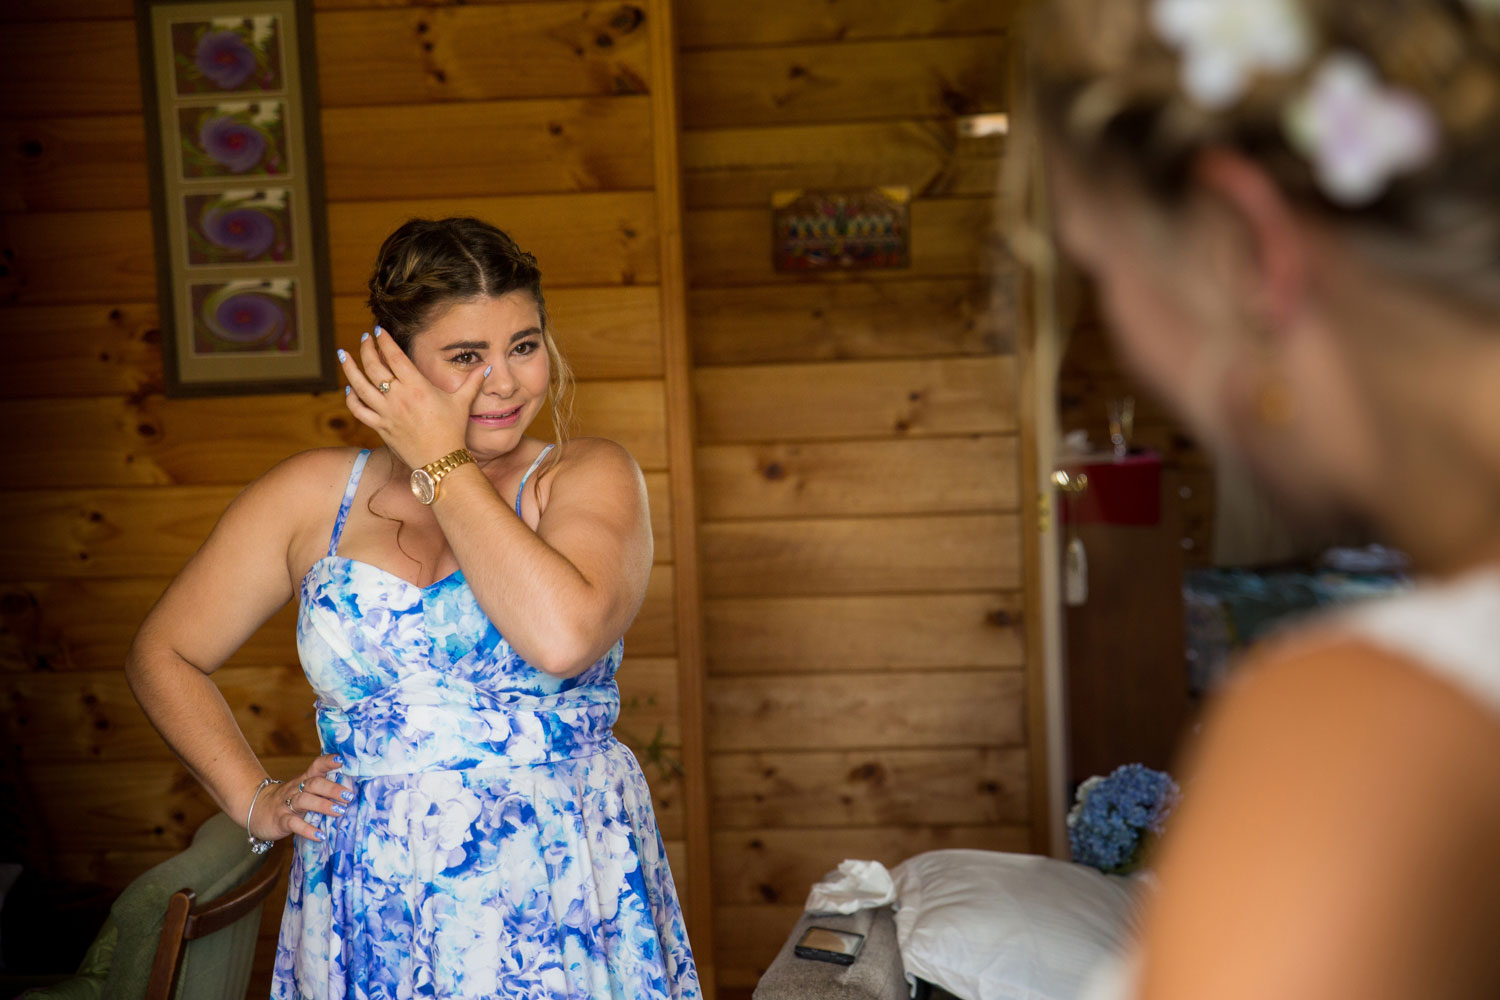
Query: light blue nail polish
346, 390
378, 331
488, 370
347, 795
343, 355
364, 337
339, 810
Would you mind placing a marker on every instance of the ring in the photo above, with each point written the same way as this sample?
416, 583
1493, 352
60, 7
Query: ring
301, 786
384, 386
288, 801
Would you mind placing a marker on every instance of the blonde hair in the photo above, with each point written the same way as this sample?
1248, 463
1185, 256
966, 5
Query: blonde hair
1106, 91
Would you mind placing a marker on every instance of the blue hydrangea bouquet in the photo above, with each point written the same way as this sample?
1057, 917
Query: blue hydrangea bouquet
1114, 819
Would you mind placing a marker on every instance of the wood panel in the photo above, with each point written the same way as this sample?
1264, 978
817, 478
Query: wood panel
879, 709
83, 624
980, 786
779, 866
844, 81
113, 441
781, 21
105, 350
91, 715
491, 147
861, 555
60, 68
423, 151
579, 239
156, 805
83, 162
853, 478
555, 49
512, 50
152, 530
855, 399
768, 635
743, 167
949, 237
855, 320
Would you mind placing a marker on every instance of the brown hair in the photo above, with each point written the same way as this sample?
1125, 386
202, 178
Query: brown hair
1106, 91
427, 265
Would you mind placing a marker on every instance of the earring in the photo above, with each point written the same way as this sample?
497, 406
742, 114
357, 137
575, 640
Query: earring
1274, 405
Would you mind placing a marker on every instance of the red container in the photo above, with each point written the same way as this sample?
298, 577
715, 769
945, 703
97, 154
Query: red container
1126, 491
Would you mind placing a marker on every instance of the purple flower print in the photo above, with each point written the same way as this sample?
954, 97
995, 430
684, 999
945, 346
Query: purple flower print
225, 59
236, 145
246, 231
248, 318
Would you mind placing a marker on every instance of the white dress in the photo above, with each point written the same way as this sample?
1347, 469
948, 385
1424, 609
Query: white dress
1451, 629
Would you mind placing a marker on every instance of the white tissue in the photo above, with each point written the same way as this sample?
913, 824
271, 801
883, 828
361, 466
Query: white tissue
854, 885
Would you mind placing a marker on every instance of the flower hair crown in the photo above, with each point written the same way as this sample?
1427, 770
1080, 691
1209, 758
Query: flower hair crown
1357, 131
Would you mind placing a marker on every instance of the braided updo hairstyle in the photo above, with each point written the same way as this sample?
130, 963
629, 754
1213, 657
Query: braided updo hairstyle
1109, 94
427, 265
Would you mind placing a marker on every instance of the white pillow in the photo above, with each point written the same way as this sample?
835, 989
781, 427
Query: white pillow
990, 926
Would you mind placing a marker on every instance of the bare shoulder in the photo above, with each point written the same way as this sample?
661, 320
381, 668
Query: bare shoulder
596, 454
304, 477
596, 463
1339, 837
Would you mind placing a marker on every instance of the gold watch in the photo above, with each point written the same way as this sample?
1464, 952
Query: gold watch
424, 481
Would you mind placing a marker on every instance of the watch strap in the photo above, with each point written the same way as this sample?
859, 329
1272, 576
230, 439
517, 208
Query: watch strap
437, 470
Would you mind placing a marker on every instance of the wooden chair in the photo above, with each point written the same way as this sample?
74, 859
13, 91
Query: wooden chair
186, 921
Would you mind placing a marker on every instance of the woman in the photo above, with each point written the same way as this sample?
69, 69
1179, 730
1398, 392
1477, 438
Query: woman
1292, 213
473, 829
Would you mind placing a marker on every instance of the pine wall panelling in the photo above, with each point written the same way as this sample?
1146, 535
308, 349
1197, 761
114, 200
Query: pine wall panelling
539, 116
857, 459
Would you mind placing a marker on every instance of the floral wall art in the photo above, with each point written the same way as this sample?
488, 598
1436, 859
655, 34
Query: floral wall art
231, 98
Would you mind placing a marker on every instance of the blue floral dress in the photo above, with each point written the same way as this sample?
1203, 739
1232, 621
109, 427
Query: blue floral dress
501, 841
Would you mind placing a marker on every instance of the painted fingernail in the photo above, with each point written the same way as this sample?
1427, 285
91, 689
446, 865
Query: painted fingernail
346, 390
378, 331
347, 795
338, 760
339, 810
364, 337
343, 355
488, 370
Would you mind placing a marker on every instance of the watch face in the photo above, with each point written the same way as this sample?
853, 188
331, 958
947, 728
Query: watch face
423, 486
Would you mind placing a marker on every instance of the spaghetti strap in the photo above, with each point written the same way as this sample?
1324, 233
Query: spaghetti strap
354, 474
522, 488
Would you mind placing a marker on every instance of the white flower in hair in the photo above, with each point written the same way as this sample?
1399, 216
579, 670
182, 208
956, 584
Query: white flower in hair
1224, 42
1357, 131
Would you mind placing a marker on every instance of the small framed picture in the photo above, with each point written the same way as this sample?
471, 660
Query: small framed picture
231, 99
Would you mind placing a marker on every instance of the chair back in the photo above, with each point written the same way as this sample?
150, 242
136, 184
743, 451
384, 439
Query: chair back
214, 962
206, 951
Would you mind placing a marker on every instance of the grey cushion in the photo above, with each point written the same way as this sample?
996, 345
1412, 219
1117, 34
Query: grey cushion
875, 975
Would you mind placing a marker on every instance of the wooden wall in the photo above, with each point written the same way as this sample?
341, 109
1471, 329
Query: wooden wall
857, 455
543, 117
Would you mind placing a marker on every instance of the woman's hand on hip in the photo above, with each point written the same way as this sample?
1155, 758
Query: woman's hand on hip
417, 420
281, 809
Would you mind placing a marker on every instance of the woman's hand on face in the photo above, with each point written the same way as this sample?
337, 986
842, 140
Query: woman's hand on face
417, 420
310, 791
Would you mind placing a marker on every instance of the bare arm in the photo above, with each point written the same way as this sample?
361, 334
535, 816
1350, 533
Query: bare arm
227, 590
1339, 840
561, 595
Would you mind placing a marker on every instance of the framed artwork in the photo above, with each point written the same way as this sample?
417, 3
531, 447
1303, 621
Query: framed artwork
841, 230
230, 89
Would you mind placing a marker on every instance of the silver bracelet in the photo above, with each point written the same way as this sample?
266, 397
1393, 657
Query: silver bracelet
258, 846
